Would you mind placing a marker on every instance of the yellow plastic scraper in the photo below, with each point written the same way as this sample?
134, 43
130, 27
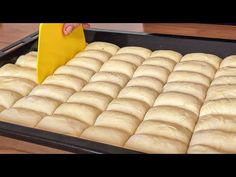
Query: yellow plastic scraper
55, 49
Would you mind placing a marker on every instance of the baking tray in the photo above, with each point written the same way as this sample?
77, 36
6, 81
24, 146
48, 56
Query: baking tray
182, 44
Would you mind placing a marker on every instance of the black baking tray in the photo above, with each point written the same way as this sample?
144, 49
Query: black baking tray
182, 44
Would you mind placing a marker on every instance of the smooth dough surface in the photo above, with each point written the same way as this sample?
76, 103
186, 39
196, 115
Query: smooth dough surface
226, 71
106, 88
68, 81
36, 103
27, 61
117, 78
178, 99
82, 112
114, 119
103, 46
21, 116
226, 80
203, 149
221, 91
229, 61
130, 106
167, 54
131, 58
144, 94
141, 51
8, 98
62, 124
159, 61
95, 99
99, 55
105, 135
155, 145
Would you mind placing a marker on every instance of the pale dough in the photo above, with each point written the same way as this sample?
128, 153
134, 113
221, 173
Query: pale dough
107, 88
119, 67
209, 58
86, 62
99, 55
24, 86
36, 103
145, 81
164, 129
131, 58
117, 78
103, 46
203, 149
62, 124
196, 66
105, 135
222, 106
186, 76
152, 71
76, 71
130, 106
27, 61
143, 52
21, 116
55, 92
221, 91
69, 81
178, 99
8, 98
226, 71
18, 71
159, 61
82, 112
197, 90
155, 144
229, 61
175, 56
173, 115
140, 93
95, 99
114, 119
226, 80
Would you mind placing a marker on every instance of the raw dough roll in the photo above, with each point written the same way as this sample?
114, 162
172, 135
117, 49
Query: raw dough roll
24, 86
36, 103
178, 99
173, 115
229, 61
130, 106
86, 62
105, 135
131, 58
197, 90
114, 119
155, 144
95, 99
202, 149
20, 116
222, 106
18, 71
159, 61
208, 58
8, 98
175, 56
221, 92
103, 46
224, 80
152, 71
62, 124
68, 81
140, 93
99, 55
143, 52
196, 66
58, 93
164, 129
113, 77
122, 67
27, 61
186, 76
81, 112
76, 71
145, 81
106, 88
226, 71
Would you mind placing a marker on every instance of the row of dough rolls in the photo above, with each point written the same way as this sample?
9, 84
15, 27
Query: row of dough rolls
123, 115
42, 100
168, 125
215, 131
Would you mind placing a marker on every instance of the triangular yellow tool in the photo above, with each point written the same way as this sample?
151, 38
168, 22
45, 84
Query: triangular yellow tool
55, 49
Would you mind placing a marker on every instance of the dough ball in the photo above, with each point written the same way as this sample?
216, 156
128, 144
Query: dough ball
27, 61
175, 56
127, 57
103, 46
8, 98
140, 51
159, 61
229, 61
99, 55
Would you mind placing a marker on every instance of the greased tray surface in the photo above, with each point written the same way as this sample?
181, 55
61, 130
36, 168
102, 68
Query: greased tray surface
184, 45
